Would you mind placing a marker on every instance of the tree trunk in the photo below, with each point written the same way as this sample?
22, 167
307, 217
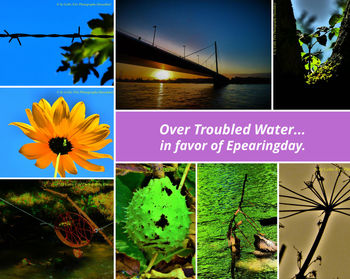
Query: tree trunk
340, 58
288, 67
287, 62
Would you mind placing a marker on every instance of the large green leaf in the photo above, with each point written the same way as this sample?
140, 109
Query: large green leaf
125, 245
124, 196
322, 40
336, 18
132, 180
183, 252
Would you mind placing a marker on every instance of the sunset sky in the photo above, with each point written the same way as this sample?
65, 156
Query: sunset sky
242, 30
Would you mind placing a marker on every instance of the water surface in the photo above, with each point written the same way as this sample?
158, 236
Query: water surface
132, 95
219, 193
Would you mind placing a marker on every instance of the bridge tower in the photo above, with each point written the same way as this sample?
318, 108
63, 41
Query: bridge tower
216, 58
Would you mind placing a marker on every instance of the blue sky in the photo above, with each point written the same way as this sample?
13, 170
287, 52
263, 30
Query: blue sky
36, 61
322, 9
241, 29
16, 100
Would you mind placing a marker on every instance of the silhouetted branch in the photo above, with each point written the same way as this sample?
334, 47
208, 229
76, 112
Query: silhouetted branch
335, 184
295, 204
312, 201
300, 199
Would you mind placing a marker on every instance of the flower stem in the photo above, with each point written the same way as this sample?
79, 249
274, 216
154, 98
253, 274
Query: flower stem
57, 164
151, 262
301, 274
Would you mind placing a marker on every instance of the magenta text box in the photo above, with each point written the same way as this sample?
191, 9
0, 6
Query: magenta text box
288, 136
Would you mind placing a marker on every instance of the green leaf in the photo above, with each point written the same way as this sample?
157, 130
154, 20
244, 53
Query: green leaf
175, 273
322, 40
301, 43
124, 196
183, 252
132, 180
107, 75
336, 18
106, 23
125, 245
306, 39
335, 31
101, 49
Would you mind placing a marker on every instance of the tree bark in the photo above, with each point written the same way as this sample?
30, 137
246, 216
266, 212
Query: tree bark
288, 68
340, 58
287, 49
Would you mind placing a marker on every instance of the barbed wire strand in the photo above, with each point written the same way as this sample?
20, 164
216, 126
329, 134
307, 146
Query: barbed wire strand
20, 209
72, 36
42, 222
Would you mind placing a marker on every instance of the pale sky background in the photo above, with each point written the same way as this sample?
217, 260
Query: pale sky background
301, 230
322, 9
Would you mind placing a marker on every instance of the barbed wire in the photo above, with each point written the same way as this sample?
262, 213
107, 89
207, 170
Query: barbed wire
72, 36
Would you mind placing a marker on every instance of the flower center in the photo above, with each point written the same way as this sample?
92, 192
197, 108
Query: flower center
60, 145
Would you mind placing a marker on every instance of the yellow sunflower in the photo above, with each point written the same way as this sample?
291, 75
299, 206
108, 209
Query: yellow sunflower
68, 135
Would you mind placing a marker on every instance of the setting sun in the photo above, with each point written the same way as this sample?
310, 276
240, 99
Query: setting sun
161, 74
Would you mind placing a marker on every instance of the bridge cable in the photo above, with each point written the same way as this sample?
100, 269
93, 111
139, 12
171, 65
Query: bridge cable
208, 58
199, 50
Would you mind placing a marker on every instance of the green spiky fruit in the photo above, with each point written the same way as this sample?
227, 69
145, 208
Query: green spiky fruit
157, 216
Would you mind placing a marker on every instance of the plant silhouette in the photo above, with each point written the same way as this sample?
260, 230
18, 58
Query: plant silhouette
79, 54
294, 203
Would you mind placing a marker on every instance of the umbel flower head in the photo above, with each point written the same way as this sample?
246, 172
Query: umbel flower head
57, 131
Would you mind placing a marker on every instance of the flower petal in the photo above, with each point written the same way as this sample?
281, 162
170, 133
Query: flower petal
42, 120
68, 164
30, 132
44, 161
45, 105
92, 147
34, 150
60, 117
92, 155
90, 138
77, 115
85, 164
87, 125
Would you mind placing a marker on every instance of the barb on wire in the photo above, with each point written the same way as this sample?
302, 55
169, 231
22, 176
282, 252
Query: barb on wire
72, 36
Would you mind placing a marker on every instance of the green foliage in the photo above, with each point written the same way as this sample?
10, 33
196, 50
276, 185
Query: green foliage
127, 246
124, 197
78, 55
335, 18
322, 75
134, 199
96, 200
104, 203
157, 216
309, 39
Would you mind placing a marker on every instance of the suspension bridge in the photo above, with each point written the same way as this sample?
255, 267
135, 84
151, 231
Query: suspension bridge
133, 50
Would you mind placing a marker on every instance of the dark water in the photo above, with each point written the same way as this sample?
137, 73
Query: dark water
192, 96
219, 193
55, 261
